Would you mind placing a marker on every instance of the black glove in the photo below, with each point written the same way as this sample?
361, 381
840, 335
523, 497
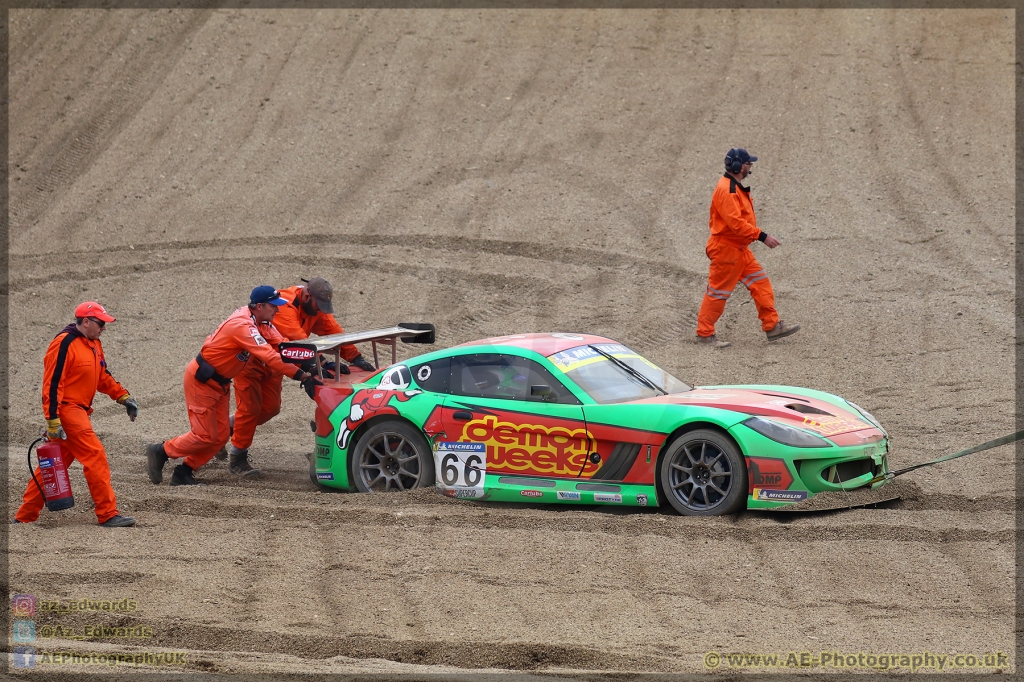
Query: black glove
130, 406
362, 364
340, 369
310, 383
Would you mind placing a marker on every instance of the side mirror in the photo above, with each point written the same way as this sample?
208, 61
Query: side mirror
542, 390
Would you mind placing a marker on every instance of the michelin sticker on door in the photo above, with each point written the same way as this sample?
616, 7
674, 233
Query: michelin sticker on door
460, 469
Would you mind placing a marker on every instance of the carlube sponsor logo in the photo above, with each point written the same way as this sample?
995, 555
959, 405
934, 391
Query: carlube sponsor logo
531, 493
298, 353
551, 450
568, 495
780, 495
608, 497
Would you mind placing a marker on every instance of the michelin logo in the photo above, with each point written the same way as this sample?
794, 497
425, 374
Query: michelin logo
462, 447
780, 495
568, 495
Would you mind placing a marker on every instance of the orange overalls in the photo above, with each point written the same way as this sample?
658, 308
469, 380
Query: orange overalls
73, 370
235, 345
733, 228
258, 390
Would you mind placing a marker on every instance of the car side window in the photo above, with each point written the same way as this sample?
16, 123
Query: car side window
493, 375
433, 376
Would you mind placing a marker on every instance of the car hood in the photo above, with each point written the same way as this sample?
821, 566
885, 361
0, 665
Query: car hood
794, 406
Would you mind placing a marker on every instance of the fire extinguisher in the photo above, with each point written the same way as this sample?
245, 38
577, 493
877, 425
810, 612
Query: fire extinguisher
56, 487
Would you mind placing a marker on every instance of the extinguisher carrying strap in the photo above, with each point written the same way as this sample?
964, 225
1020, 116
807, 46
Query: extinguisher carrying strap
31, 471
205, 372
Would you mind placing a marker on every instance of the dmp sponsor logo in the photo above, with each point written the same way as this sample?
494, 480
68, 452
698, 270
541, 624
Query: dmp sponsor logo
324, 476
641, 500
531, 493
608, 497
780, 495
764, 471
568, 495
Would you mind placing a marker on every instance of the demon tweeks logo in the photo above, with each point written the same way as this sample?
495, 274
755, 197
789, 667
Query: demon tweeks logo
536, 448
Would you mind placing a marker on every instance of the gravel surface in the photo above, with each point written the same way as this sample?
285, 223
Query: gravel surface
500, 171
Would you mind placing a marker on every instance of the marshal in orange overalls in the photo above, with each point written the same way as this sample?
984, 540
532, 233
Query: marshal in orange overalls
733, 228
236, 345
73, 370
257, 389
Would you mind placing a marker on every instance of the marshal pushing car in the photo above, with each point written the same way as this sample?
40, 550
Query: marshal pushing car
569, 418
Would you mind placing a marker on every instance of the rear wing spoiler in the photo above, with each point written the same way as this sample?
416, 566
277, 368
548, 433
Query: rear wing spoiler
408, 332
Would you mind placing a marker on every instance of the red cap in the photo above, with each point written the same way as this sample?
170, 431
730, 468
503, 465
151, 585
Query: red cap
93, 309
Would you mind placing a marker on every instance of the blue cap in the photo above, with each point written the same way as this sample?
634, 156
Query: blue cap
266, 294
741, 155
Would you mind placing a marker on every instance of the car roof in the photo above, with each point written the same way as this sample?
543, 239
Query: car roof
545, 343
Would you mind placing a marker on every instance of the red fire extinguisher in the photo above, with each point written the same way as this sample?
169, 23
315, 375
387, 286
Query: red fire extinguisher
56, 487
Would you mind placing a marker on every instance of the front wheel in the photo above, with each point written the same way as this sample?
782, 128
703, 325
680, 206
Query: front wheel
704, 474
390, 456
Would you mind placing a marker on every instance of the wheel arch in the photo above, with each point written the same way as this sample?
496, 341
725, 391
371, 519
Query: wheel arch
368, 424
678, 433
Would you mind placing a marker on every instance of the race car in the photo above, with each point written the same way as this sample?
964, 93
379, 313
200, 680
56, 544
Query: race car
567, 418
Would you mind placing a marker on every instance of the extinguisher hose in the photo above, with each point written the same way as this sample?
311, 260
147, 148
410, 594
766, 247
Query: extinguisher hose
33, 473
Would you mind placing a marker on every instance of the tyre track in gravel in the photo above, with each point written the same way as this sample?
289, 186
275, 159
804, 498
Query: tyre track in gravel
949, 256
56, 165
619, 525
593, 258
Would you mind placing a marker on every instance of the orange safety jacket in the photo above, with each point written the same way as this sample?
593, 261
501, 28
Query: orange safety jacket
295, 323
732, 214
237, 340
73, 370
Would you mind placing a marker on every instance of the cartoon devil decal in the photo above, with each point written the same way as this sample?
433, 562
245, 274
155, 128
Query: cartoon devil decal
371, 402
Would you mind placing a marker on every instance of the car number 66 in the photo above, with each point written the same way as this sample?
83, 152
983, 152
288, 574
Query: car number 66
469, 475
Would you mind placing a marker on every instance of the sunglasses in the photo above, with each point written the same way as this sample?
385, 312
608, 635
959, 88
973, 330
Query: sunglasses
101, 323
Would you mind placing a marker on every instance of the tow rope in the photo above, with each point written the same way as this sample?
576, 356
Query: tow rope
977, 448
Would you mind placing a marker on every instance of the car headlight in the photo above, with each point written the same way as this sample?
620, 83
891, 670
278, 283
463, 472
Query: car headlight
867, 415
787, 435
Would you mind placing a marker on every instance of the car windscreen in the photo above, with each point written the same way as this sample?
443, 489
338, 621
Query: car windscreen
606, 382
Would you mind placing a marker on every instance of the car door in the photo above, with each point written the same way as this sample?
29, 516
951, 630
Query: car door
492, 403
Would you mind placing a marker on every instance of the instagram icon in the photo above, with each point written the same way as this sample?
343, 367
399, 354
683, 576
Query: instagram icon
23, 605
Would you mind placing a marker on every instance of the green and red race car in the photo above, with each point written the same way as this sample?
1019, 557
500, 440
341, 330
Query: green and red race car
567, 418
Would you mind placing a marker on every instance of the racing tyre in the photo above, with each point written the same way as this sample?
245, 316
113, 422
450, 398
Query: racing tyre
390, 456
704, 474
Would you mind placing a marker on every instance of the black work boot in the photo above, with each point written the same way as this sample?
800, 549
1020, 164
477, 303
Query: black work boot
183, 475
240, 463
155, 460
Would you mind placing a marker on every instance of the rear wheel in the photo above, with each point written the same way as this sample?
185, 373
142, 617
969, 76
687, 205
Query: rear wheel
392, 456
704, 474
